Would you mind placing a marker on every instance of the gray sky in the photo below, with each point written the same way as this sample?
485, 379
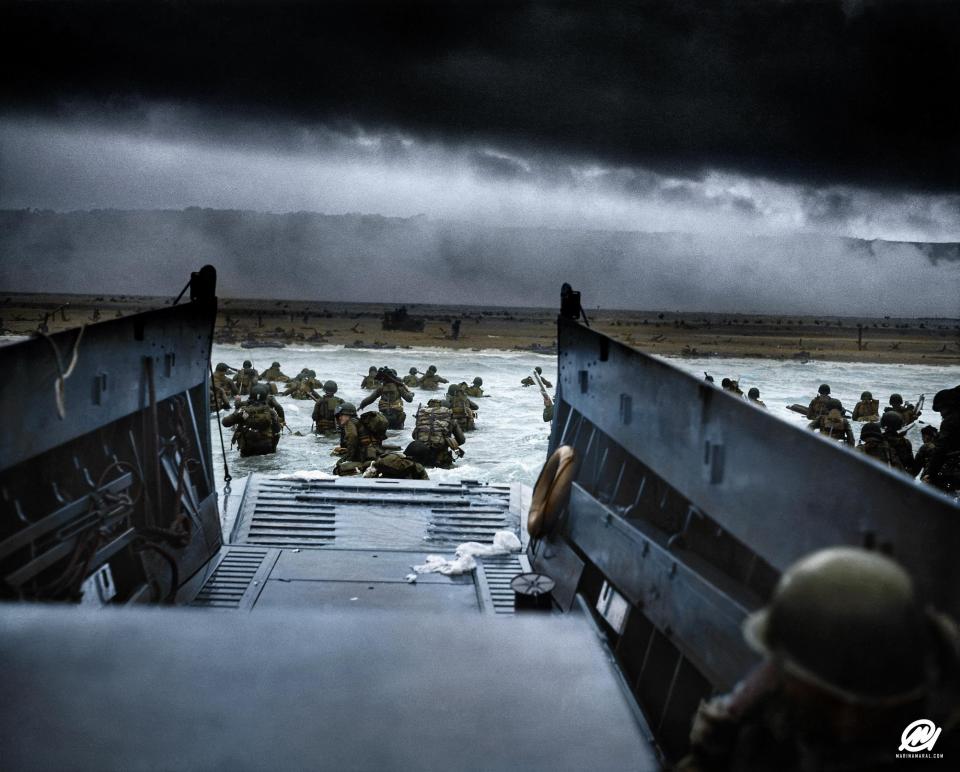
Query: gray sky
793, 154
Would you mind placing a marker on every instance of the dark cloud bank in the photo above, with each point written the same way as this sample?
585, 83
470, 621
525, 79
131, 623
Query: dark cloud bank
374, 258
821, 92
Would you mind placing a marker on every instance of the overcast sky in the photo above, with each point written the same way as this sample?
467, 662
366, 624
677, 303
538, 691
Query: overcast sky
744, 118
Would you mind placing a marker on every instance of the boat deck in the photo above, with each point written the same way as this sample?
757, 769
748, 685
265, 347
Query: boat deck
352, 543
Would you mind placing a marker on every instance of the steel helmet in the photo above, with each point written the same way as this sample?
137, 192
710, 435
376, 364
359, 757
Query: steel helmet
222, 368
866, 396
247, 363
891, 421
870, 431
896, 400
946, 399
928, 431
846, 621
345, 408
725, 382
413, 371
276, 364
754, 393
372, 370
418, 451
824, 388
312, 373
330, 387
432, 369
259, 392
539, 370
478, 381
453, 389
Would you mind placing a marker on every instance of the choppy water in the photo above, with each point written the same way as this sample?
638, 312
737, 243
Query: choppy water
510, 442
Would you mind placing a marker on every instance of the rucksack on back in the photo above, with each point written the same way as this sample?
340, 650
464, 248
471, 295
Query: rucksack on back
433, 425
259, 418
376, 424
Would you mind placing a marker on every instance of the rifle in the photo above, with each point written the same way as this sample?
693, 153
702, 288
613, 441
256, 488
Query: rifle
543, 390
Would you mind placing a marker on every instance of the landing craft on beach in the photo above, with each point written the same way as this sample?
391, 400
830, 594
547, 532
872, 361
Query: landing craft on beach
652, 556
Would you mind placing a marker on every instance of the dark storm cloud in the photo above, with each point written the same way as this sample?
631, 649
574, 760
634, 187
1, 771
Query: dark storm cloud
826, 92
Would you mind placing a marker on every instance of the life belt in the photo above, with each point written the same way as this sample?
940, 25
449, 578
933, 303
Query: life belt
551, 491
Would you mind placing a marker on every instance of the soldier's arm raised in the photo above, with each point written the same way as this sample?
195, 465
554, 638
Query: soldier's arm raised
369, 399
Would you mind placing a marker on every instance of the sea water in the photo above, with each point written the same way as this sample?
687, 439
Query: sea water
510, 442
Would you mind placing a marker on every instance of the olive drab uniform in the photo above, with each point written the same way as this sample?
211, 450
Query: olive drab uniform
463, 411
907, 411
396, 466
834, 426
274, 374
411, 380
369, 382
301, 388
528, 381
922, 459
818, 406
903, 449
222, 388
943, 468
474, 391
548, 413
246, 378
432, 381
257, 428
324, 421
876, 447
436, 428
362, 440
390, 404
867, 410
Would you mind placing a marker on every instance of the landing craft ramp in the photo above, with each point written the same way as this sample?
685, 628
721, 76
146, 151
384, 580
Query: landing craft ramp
686, 505
351, 543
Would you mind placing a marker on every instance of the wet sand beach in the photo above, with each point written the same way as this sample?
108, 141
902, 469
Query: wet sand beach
253, 322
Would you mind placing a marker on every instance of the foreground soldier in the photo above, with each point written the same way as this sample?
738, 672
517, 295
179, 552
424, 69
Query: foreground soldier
361, 438
395, 466
867, 409
922, 460
891, 424
754, 397
833, 424
873, 445
431, 380
246, 377
302, 387
547, 409
529, 381
462, 408
818, 405
943, 469
475, 390
273, 373
325, 410
411, 379
436, 428
257, 425
390, 391
222, 388
908, 412
370, 381
852, 659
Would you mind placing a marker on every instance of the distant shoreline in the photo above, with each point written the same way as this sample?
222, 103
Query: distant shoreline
779, 337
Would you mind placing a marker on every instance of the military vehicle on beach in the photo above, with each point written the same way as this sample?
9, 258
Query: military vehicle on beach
665, 514
400, 319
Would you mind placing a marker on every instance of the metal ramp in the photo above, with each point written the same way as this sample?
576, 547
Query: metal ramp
360, 513
349, 543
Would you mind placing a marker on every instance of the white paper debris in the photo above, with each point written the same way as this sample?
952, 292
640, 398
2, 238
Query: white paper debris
504, 542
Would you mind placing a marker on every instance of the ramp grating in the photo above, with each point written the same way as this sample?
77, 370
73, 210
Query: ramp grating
230, 579
498, 571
